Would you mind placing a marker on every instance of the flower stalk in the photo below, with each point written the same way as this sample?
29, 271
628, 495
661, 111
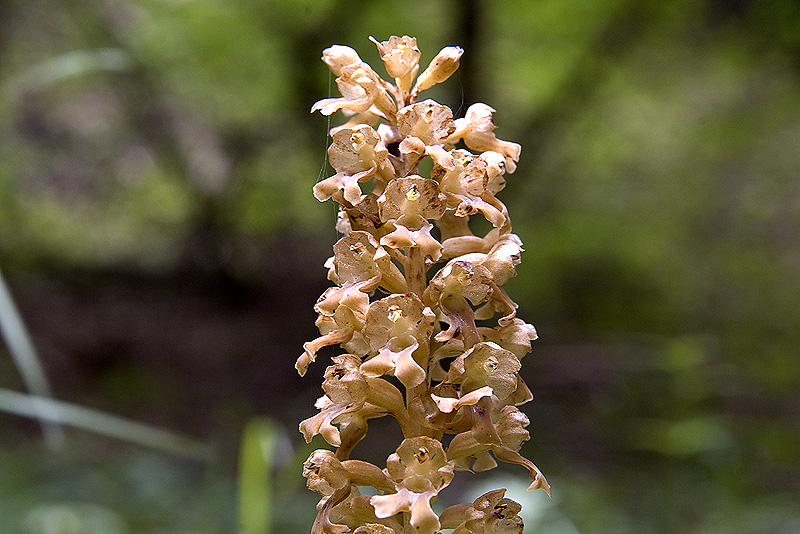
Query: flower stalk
428, 334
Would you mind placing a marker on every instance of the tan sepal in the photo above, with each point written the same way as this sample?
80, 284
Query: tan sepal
363, 473
455, 515
507, 455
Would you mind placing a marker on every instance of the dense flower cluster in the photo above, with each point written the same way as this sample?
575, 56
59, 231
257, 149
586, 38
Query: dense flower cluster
395, 318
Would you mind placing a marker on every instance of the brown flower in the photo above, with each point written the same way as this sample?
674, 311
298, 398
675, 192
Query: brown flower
486, 364
477, 131
428, 121
420, 469
398, 328
490, 513
401, 57
362, 90
357, 154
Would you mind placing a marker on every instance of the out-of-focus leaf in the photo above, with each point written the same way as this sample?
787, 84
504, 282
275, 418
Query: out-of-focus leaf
255, 470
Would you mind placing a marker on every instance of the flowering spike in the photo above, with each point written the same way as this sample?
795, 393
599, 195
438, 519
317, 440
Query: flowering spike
395, 317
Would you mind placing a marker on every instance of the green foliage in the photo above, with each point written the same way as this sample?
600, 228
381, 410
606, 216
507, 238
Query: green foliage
255, 477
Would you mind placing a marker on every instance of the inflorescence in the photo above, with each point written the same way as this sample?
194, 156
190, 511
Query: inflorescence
422, 347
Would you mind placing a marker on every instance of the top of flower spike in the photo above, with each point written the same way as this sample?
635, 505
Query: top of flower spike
363, 91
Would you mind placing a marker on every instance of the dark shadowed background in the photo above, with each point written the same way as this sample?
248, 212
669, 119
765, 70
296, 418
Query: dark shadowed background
159, 236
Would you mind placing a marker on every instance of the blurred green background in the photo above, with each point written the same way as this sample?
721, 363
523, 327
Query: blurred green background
159, 235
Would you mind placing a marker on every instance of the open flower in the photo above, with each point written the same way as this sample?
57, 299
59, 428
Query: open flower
398, 327
490, 513
401, 57
428, 121
335, 480
360, 265
351, 398
510, 429
486, 364
362, 90
357, 154
406, 205
464, 183
452, 289
420, 470
477, 131
359, 258
337, 328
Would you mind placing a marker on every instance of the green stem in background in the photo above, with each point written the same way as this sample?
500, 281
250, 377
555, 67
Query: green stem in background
106, 424
255, 470
28, 365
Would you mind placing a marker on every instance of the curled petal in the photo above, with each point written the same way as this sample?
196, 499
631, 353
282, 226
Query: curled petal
321, 424
400, 363
310, 348
389, 505
538, 480
448, 405
441, 156
344, 182
402, 236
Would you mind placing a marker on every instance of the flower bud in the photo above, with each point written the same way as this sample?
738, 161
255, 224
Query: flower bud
338, 57
441, 67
